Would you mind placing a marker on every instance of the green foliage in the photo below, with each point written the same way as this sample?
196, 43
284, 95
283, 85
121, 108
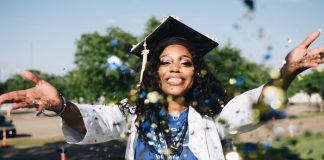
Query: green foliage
226, 63
151, 24
16, 82
92, 77
2, 87
310, 83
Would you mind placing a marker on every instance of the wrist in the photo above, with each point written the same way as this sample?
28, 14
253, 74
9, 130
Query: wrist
63, 106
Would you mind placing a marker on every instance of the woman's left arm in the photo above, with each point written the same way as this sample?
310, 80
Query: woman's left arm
250, 109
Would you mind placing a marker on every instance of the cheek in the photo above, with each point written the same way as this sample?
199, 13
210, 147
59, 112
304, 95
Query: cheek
190, 74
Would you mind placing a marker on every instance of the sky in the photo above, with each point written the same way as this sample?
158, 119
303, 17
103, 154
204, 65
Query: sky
42, 35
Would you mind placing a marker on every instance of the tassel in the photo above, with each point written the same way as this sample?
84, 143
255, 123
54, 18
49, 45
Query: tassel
145, 52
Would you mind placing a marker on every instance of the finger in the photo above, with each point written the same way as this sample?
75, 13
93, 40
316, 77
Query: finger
16, 106
310, 39
14, 96
315, 51
30, 76
309, 65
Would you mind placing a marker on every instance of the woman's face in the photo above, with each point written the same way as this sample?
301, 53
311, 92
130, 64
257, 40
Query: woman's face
176, 70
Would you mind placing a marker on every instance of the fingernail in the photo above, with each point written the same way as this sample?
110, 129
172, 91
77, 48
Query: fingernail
320, 30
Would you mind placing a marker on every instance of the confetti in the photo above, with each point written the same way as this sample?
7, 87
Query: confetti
232, 81
233, 155
274, 96
153, 97
267, 56
114, 42
274, 73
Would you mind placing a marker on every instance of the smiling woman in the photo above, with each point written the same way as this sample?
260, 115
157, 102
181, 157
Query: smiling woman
176, 70
178, 110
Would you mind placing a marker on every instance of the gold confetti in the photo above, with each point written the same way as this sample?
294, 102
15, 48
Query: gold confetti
274, 73
153, 97
274, 96
233, 155
232, 81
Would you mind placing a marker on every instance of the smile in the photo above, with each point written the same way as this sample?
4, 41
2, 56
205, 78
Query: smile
174, 81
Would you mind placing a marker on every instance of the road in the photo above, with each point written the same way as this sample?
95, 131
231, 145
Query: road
28, 125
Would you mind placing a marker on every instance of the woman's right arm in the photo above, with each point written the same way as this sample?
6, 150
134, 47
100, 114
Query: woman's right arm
43, 96
81, 123
73, 118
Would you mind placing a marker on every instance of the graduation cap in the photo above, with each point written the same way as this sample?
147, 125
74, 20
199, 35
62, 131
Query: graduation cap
171, 27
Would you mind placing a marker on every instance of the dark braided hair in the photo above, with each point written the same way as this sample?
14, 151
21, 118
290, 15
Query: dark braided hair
206, 95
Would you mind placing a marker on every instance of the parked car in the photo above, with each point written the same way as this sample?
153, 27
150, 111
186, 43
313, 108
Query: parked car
8, 125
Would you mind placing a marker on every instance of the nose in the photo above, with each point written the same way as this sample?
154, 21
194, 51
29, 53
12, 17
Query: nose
175, 67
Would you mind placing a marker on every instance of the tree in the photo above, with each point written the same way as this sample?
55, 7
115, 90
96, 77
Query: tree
92, 77
310, 83
16, 82
234, 72
151, 24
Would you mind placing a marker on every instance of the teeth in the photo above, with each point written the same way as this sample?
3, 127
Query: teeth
174, 80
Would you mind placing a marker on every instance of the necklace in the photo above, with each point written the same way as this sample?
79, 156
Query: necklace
165, 148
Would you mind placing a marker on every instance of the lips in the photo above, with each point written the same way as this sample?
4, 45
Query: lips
174, 81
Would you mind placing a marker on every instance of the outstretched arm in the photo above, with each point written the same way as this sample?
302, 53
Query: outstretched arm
44, 96
244, 112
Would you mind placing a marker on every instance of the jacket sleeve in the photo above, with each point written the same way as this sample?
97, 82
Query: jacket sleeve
103, 123
237, 116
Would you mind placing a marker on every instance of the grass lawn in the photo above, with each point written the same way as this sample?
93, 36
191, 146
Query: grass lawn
308, 146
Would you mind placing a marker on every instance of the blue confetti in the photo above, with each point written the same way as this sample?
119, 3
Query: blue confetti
114, 42
142, 95
267, 56
239, 80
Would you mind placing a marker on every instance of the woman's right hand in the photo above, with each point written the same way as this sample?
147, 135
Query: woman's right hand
42, 96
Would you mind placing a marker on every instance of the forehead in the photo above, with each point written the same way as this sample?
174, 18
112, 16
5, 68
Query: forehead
176, 50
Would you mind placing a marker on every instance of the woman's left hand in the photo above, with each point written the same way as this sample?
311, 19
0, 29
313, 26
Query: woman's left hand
301, 58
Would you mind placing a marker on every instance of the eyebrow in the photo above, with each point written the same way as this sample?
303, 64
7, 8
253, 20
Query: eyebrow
180, 56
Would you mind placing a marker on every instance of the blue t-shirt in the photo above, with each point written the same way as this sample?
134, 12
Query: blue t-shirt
176, 126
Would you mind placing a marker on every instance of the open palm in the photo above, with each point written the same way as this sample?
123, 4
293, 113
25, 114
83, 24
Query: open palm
42, 96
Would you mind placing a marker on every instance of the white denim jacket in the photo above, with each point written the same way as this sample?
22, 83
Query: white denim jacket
105, 123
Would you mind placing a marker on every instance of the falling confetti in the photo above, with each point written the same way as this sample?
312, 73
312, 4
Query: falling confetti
114, 42
249, 4
114, 62
274, 96
153, 97
274, 73
267, 56
233, 155
232, 81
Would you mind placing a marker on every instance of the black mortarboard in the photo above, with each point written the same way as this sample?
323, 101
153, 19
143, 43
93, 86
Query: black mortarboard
171, 27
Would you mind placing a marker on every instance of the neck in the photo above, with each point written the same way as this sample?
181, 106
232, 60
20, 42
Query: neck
176, 105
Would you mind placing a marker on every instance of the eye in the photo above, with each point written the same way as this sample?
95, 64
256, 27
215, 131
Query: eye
164, 62
186, 63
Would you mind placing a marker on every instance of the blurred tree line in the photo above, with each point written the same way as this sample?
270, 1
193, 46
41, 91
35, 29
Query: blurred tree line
105, 68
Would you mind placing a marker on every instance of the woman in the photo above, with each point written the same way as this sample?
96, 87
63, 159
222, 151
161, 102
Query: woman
178, 111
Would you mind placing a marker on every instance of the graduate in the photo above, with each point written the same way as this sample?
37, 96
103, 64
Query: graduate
178, 110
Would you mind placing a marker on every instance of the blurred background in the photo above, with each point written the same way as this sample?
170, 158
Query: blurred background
82, 48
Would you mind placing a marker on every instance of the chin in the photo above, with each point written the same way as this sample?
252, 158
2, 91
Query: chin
174, 93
